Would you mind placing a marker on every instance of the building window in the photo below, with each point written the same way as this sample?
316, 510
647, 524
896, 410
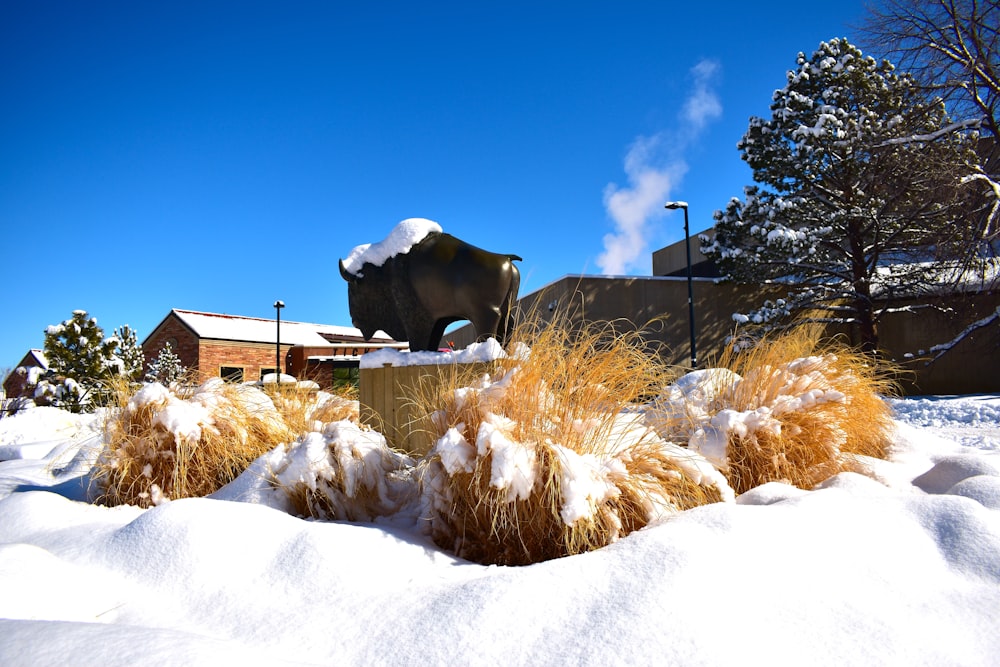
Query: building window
345, 373
231, 373
267, 370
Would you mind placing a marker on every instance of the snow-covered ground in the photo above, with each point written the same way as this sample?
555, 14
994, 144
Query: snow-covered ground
901, 567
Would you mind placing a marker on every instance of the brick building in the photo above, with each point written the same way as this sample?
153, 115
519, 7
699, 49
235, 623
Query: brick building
244, 349
26, 374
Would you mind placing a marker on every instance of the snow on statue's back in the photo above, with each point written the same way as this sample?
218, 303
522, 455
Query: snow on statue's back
404, 236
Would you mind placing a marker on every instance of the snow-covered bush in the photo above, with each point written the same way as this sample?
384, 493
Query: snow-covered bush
81, 362
344, 472
546, 458
162, 446
556, 451
129, 353
787, 410
334, 407
305, 408
52, 389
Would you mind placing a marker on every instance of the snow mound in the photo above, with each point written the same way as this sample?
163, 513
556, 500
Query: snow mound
942, 412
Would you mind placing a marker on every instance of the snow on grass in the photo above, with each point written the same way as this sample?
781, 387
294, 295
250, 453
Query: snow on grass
899, 567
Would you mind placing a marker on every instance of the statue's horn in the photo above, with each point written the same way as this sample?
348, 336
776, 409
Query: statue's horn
347, 275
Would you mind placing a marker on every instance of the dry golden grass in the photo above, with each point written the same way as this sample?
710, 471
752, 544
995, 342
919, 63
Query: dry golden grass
546, 456
309, 410
502, 484
344, 473
160, 445
336, 408
655, 472
546, 422
808, 407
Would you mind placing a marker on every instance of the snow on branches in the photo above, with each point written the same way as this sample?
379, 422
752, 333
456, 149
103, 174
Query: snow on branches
865, 188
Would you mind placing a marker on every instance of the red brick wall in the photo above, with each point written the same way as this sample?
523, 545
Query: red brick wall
208, 356
182, 339
251, 357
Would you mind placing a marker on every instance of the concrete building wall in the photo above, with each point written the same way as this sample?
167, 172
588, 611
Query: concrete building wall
972, 366
672, 260
659, 306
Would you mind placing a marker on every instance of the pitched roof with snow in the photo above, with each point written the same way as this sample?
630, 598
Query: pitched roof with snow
38, 356
217, 326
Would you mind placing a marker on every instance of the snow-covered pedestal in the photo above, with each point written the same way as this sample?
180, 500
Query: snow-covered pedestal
391, 381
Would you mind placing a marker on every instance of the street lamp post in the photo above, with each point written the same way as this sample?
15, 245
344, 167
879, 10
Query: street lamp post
278, 305
673, 205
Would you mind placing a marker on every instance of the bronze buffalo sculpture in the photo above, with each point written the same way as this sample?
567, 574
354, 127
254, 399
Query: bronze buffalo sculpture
414, 295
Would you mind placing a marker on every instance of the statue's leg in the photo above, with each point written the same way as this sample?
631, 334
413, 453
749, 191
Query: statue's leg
437, 333
420, 332
486, 320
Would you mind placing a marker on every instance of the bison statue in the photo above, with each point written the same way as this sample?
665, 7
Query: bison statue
414, 291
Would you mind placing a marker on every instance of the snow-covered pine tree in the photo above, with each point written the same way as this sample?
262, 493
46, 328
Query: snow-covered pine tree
166, 367
80, 359
864, 189
129, 353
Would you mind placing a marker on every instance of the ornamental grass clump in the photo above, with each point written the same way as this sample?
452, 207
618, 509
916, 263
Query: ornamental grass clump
547, 457
345, 472
165, 443
304, 408
789, 409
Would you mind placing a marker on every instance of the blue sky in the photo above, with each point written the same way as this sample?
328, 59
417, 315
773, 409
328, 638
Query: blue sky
218, 156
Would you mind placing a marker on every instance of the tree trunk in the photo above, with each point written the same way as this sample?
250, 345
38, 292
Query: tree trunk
864, 309
866, 324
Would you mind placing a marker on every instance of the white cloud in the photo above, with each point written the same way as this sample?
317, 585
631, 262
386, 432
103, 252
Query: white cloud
654, 166
702, 104
631, 208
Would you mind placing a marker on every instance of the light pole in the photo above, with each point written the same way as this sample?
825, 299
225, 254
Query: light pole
278, 305
672, 205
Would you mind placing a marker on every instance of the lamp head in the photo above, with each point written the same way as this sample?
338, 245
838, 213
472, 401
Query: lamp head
672, 205
279, 304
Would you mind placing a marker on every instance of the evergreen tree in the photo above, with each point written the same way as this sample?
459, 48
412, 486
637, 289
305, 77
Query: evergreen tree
80, 360
166, 367
129, 353
864, 191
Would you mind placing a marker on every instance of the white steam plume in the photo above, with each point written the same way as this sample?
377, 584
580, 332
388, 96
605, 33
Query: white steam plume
654, 166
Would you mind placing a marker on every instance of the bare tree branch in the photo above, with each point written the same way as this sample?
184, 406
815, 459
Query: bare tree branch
950, 46
941, 349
